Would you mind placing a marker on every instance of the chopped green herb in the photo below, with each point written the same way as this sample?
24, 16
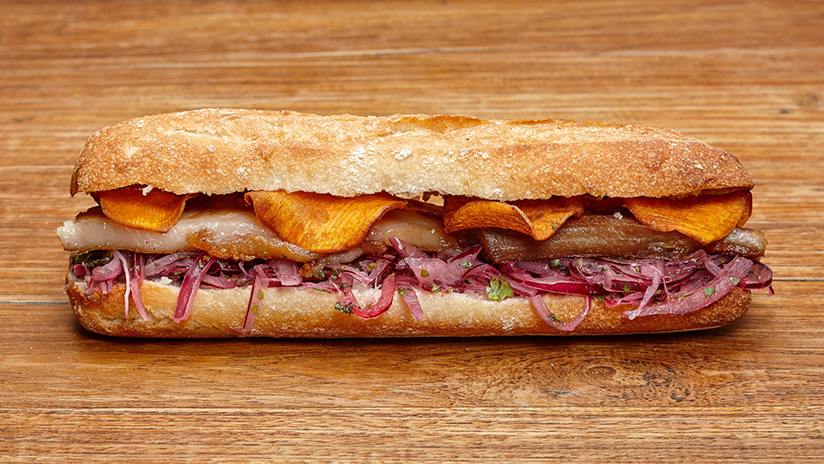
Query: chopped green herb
735, 280
346, 309
627, 288
555, 263
435, 288
80, 257
283, 256
554, 225
343, 285
260, 294
709, 291
499, 289
402, 291
321, 290
424, 273
371, 266
255, 309
320, 275
466, 265
93, 259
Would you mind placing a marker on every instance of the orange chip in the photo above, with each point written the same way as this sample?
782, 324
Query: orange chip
320, 222
153, 210
537, 218
705, 218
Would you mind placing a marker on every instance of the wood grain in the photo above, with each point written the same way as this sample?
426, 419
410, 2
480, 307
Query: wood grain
744, 76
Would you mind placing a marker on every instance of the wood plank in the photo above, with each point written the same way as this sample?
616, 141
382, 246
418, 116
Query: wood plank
402, 434
744, 76
774, 354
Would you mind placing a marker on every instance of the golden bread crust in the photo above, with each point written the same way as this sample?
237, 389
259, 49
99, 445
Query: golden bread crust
220, 151
307, 313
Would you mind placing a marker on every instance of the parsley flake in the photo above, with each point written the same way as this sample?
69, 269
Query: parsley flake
346, 309
499, 289
709, 291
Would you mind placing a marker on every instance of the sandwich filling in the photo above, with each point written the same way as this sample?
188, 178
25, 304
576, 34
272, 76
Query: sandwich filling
656, 256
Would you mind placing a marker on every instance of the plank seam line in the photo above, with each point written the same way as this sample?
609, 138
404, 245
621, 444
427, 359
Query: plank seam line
262, 59
33, 303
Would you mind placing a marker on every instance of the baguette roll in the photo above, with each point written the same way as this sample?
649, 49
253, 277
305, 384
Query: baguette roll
231, 223
303, 312
220, 151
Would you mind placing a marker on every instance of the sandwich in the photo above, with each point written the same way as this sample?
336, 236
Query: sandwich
235, 223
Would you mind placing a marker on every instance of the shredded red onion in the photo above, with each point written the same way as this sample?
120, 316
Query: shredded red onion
108, 271
406, 288
564, 326
462, 262
118, 256
406, 250
254, 304
137, 277
652, 286
380, 306
758, 277
286, 272
727, 278
189, 287
80, 270
167, 264
434, 273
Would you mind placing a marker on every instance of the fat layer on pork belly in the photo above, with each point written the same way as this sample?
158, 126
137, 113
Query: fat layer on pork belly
238, 234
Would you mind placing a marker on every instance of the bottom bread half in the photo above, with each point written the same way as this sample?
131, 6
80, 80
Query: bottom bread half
305, 312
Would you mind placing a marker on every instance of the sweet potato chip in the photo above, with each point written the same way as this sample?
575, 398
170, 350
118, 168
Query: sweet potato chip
537, 218
705, 218
320, 222
153, 210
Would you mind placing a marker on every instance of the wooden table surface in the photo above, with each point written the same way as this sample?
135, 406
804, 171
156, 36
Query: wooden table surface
744, 76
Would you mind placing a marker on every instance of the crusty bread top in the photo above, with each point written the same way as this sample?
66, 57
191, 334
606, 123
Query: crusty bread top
219, 151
